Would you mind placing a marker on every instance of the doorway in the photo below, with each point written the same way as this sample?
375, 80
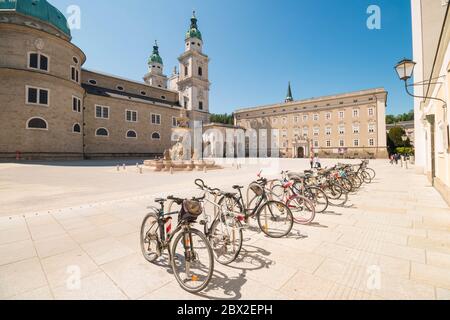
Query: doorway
301, 152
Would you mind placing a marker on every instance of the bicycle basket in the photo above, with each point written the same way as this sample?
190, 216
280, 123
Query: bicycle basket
190, 211
257, 189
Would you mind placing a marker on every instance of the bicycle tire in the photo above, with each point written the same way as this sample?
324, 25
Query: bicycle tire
205, 283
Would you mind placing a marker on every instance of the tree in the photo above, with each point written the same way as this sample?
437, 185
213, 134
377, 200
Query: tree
391, 119
395, 139
222, 118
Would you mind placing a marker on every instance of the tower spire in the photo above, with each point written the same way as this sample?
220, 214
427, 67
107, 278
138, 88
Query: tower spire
289, 97
193, 31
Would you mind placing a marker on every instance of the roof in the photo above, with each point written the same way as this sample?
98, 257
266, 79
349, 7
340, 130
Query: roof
38, 9
315, 99
111, 93
193, 31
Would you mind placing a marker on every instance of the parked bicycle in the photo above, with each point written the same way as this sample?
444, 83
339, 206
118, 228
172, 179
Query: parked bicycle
274, 218
190, 252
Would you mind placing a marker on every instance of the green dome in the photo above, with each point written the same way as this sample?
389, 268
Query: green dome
193, 31
155, 57
39, 9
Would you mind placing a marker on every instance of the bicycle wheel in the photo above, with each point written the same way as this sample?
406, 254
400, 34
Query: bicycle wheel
226, 238
192, 260
275, 219
277, 191
336, 195
371, 172
150, 244
303, 210
365, 177
318, 197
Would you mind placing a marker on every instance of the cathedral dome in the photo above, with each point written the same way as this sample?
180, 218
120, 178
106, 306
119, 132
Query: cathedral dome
155, 57
38, 9
193, 31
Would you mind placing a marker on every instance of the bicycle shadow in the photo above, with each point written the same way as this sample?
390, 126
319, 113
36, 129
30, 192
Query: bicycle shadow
223, 287
316, 225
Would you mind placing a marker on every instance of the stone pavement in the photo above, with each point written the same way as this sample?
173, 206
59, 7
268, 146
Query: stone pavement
393, 242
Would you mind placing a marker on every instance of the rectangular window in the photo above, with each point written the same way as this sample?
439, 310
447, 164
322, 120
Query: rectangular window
316, 117
101, 112
371, 112
74, 74
156, 119
341, 143
355, 113
341, 130
38, 61
131, 116
328, 143
316, 131
37, 96
341, 115
305, 118
200, 105
284, 133
76, 104
316, 143
371, 142
296, 119
34, 61
174, 122
328, 116
356, 143
371, 128
356, 129
305, 131
328, 131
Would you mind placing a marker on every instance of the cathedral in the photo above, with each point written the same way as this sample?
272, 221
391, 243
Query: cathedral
53, 108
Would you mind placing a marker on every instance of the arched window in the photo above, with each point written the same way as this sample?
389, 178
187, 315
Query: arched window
76, 128
156, 136
131, 134
200, 71
102, 132
186, 71
37, 123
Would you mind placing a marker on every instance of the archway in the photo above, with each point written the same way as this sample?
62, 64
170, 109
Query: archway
301, 152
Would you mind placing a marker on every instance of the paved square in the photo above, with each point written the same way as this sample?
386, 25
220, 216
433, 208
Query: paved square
63, 220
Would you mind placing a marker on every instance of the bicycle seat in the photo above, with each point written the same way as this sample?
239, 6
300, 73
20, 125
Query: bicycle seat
237, 187
160, 200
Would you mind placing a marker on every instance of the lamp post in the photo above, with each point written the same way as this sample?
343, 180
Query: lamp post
405, 69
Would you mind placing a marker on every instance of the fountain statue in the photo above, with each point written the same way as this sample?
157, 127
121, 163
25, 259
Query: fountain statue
178, 158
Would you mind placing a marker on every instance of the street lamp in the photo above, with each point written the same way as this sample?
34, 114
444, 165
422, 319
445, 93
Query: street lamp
405, 70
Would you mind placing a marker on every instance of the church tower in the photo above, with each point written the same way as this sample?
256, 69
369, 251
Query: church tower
193, 83
155, 76
289, 97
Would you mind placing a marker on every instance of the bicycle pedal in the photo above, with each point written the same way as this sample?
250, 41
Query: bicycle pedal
202, 222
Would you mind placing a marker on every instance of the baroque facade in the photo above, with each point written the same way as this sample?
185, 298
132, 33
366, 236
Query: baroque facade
345, 125
53, 108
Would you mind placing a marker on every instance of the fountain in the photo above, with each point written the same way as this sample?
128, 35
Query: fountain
180, 157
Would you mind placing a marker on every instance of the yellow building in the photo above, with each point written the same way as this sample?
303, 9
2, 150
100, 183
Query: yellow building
349, 125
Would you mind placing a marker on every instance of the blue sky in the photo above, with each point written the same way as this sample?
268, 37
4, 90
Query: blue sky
256, 46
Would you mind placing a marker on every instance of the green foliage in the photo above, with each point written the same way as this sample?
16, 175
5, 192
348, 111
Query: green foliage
405, 150
391, 119
395, 141
222, 118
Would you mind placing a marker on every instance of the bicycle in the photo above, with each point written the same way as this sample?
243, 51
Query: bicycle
190, 252
303, 209
265, 210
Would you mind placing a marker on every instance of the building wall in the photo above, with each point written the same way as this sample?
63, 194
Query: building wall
15, 43
433, 60
289, 119
117, 144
